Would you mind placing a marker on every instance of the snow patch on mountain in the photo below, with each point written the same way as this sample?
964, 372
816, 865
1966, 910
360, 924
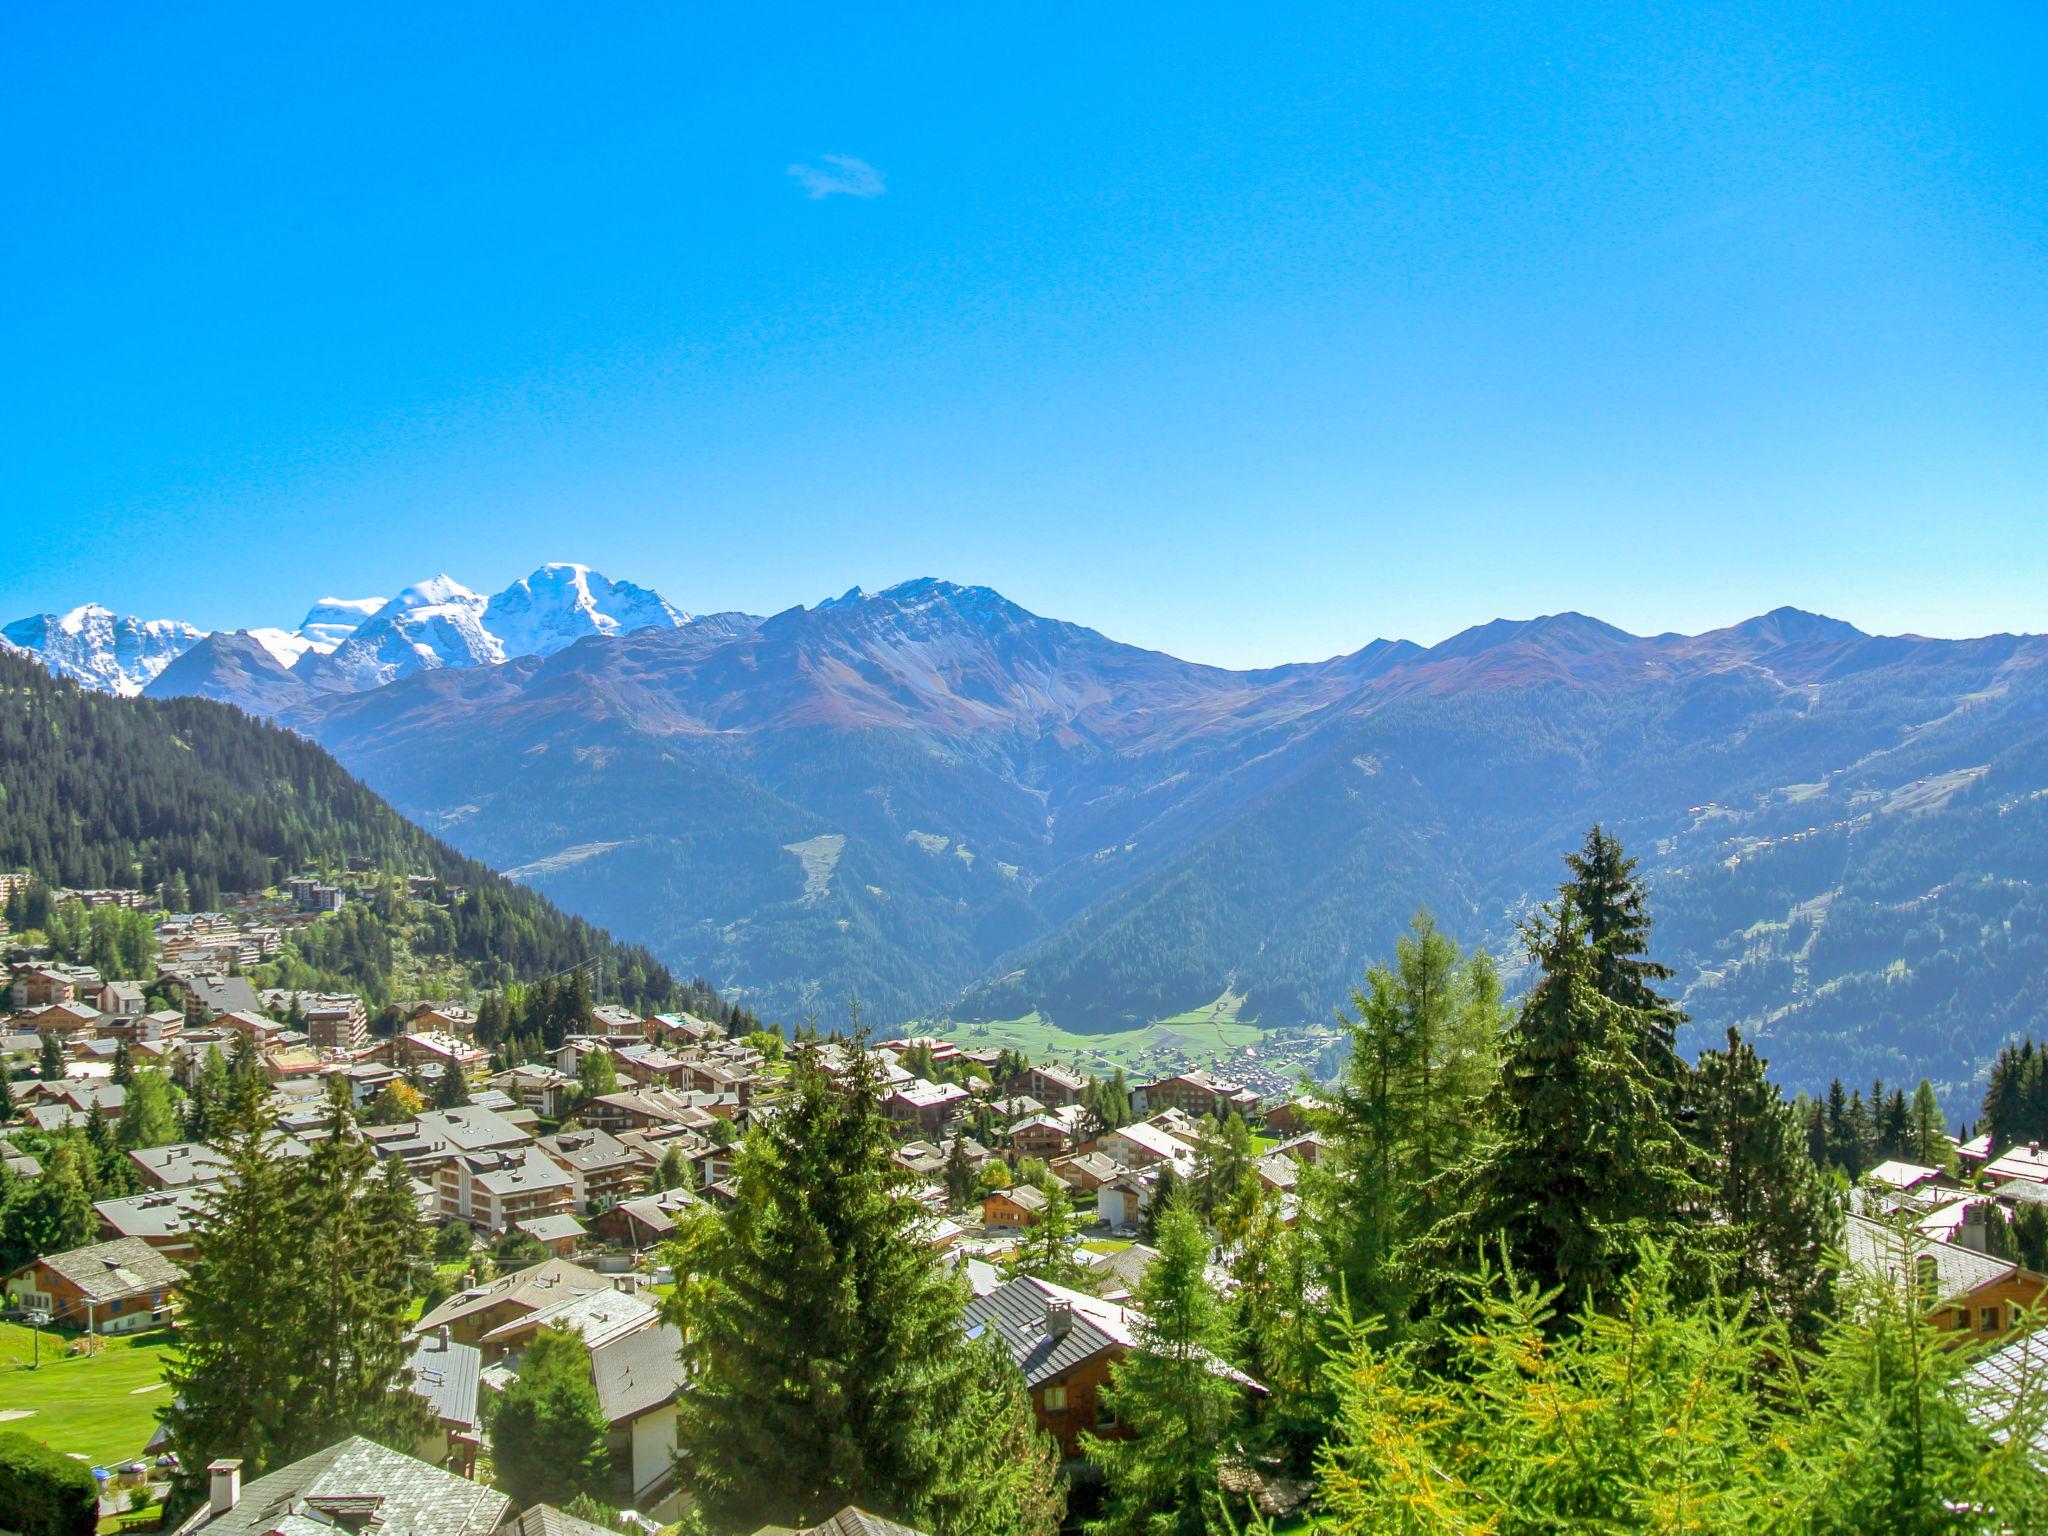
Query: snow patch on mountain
95, 646
432, 624
333, 619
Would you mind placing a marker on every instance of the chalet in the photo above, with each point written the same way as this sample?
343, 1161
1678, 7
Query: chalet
2019, 1162
1041, 1136
561, 1235
432, 1050
644, 1108
470, 1314
650, 1064
1065, 1342
445, 1019
638, 1379
850, 1521
1294, 1116
926, 1105
644, 1222
207, 995
682, 1029
602, 1169
1052, 1084
39, 986
539, 1088
114, 1287
1088, 1172
1143, 1146
616, 1023
162, 1218
1197, 1093
496, 1190
353, 1485
1014, 1208
69, 1021
1972, 1293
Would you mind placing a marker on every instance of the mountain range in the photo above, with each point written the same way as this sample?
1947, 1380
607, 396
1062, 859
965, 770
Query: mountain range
344, 643
952, 807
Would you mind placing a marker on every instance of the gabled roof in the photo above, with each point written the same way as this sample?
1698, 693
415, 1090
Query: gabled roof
546, 1520
1957, 1271
445, 1375
158, 1213
599, 1317
1901, 1175
1016, 1313
127, 1266
402, 1495
530, 1289
638, 1373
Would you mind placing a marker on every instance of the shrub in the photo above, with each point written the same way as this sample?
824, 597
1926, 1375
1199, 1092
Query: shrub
45, 1493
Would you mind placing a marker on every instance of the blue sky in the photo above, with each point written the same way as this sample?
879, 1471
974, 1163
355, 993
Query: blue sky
1247, 332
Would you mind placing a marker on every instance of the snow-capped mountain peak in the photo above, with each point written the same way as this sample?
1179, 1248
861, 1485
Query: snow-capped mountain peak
352, 643
101, 649
333, 619
561, 603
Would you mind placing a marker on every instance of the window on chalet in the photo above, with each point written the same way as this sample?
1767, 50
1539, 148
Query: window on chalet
1054, 1399
1987, 1319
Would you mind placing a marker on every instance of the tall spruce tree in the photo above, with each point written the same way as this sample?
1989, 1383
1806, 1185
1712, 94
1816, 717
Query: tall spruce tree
1588, 1163
1775, 1214
50, 1058
1175, 1394
356, 1255
451, 1089
1613, 905
235, 1390
548, 1429
823, 1341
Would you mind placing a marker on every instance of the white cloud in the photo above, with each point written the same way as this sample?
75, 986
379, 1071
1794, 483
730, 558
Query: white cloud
839, 173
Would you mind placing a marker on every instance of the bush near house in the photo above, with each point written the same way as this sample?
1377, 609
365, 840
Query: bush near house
44, 1492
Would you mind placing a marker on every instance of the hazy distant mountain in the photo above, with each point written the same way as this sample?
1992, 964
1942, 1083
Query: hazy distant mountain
937, 800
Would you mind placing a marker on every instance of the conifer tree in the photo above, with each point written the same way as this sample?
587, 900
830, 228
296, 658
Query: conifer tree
124, 1063
6, 1099
149, 1118
1588, 1163
1174, 1392
233, 1383
822, 1339
959, 1174
355, 1256
55, 1214
1775, 1215
1927, 1139
548, 1430
675, 1171
1612, 904
1046, 1249
50, 1061
451, 1091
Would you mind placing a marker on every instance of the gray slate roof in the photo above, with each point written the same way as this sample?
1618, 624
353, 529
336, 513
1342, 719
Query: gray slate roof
407, 1497
546, 1520
110, 1271
1016, 1310
446, 1376
638, 1373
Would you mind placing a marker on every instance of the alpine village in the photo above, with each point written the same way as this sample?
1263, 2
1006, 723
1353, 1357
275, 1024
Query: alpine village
349, 1186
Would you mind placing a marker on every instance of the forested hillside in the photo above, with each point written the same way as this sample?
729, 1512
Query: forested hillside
186, 793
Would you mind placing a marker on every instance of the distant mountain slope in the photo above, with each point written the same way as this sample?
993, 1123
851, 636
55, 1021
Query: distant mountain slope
103, 791
940, 801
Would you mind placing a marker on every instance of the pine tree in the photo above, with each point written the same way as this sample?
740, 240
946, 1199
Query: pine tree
1174, 1394
548, 1430
822, 1339
1775, 1214
1588, 1163
50, 1063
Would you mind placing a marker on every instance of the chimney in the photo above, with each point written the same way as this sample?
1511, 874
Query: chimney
441, 1333
1059, 1319
227, 1485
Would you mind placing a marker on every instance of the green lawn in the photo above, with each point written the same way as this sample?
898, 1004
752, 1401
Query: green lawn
1187, 1038
102, 1406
